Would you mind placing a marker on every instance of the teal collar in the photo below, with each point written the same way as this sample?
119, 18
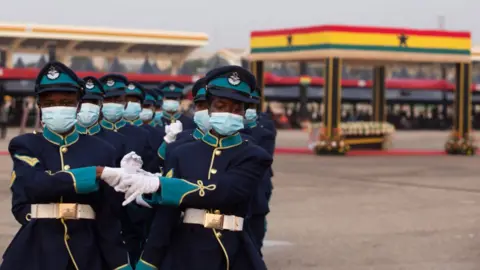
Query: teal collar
198, 134
138, 122
226, 142
90, 130
113, 126
251, 124
58, 139
175, 116
152, 123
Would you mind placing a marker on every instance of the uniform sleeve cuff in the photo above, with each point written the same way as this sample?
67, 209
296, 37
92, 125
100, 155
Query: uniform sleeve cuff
84, 179
162, 150
143, 265
173, 190
124, 267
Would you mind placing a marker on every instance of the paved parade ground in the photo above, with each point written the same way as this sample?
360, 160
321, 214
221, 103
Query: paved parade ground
359, 213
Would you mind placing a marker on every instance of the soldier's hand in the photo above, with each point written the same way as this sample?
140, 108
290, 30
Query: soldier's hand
171, 131
142, 184
112, 176
131, 161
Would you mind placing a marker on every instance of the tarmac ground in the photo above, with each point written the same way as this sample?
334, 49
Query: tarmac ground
358, 213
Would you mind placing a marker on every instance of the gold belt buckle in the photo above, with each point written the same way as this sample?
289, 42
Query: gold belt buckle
213, 221
67, 210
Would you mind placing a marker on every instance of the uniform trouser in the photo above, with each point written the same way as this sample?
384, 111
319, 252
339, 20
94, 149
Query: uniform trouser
257, 225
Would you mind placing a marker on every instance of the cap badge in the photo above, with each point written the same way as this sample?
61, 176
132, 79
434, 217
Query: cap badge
52, 73
171, 87
89, 84
234, 79
110, 82
131, 87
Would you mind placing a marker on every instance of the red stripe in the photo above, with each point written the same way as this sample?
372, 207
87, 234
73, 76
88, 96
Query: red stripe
272, 80
361, 29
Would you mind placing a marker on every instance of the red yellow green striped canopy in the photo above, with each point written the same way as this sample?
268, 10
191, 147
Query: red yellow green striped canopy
361, 43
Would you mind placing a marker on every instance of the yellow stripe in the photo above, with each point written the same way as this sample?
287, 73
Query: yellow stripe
29, 160
365, 39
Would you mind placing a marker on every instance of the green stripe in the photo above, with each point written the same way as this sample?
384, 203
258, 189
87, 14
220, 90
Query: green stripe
355, 47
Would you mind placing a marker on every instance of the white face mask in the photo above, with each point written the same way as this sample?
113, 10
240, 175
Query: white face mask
59, 119
146, 114
132, 111
170, 105
88, 114
202, 120
112, 111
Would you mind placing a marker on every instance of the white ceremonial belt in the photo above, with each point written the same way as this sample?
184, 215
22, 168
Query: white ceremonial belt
213, 220
62, 210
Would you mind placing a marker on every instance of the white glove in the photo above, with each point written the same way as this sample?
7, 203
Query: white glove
131, 161
140, 201
112, 176
129, 177
141, 184
172, 131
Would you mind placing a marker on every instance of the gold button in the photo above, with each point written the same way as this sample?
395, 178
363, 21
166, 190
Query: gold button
218, 234
115, 130
217, 212
66, 167
64, 149
213, 171
218, 153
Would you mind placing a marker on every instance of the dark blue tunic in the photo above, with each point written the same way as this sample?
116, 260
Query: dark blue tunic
49, 168
117, 140
211, 173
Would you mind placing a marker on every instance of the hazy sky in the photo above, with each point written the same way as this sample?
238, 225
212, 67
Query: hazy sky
228, 22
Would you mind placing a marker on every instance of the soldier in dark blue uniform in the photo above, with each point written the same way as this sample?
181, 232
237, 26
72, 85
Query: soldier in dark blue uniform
265, 139
173, 93
201, 119
211, 181
134, 228
147, 115
57, 172
113, 109
88, 117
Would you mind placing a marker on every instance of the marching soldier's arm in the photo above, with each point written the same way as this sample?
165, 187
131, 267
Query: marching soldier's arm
38, 182
223, 188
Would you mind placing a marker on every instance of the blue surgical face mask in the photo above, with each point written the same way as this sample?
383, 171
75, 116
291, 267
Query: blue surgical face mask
59, 119
170, 105
251, 115
158, 116
226, 123
112, 112
146, 114
132, 111
202, 120
88, 114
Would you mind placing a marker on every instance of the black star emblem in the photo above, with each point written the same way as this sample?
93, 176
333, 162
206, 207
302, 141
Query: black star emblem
403, 40
289, 40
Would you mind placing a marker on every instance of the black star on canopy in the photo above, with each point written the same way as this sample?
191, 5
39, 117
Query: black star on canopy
403, 40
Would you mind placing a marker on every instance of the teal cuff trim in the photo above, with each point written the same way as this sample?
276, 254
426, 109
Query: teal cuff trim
85, 179
174, 190
143, 265
162, 150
